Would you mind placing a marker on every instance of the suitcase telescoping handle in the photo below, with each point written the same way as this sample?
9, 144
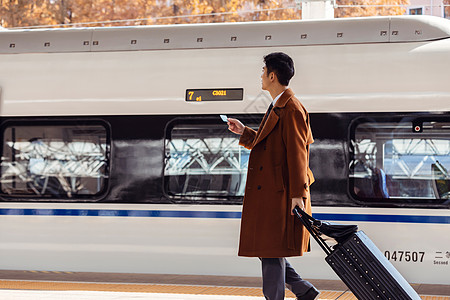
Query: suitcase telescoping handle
307, 222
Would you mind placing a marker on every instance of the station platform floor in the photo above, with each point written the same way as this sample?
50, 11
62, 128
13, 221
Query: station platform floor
29, 285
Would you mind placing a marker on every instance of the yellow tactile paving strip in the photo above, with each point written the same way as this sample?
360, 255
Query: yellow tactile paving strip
48, 272
164, 289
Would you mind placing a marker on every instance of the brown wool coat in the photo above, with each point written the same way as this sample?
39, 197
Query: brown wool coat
278, 170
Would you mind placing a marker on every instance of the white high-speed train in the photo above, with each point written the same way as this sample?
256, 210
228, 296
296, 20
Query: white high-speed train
114, 158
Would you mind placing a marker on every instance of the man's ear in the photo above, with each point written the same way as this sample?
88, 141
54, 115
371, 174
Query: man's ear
272, 76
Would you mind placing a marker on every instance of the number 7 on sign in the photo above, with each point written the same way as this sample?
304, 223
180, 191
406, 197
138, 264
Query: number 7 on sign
190, 95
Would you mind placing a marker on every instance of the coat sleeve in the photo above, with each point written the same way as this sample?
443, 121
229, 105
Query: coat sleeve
247, 138
295, 137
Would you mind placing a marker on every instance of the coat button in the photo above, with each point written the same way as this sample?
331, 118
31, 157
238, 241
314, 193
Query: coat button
259, 187
260, 168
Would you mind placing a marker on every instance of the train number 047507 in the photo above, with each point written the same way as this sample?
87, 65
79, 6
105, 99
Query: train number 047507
408, 256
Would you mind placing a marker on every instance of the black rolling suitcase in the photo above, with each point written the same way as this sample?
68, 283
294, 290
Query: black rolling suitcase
358, 262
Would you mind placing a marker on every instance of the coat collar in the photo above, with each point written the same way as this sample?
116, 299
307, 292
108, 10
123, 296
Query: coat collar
272, 119
287, 94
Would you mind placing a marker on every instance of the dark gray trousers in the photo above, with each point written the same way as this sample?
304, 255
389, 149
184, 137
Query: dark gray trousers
277, 274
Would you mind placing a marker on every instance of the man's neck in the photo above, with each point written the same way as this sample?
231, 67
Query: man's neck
276, 90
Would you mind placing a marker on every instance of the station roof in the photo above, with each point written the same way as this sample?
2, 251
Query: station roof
226, 35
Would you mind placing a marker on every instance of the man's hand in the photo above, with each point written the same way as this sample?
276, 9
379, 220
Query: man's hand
235, 126
297, 202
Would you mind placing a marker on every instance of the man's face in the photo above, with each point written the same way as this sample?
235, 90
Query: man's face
265, 79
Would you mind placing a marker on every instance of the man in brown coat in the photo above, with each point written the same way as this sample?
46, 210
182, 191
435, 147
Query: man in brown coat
278, 179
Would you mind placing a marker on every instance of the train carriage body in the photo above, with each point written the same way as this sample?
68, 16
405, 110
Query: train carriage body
114, 158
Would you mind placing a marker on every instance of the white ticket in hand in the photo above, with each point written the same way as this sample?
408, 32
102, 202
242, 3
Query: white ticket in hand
224, 118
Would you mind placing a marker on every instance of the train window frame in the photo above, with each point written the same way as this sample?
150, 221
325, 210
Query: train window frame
62, 122
414, 121
208, 120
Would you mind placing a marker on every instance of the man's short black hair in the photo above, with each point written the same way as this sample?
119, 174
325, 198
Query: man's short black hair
282, 65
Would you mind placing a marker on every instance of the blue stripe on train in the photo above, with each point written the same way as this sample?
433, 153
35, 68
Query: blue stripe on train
384, 218
122, 213
217, 215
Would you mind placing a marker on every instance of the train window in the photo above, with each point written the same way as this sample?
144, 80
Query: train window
405, 161
204, 162
45, 160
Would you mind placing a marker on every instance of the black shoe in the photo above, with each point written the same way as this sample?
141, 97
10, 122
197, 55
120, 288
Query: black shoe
311, 294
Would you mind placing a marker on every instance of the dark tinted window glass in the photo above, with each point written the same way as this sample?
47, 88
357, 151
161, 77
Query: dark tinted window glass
205, 160
61, 161
401, 161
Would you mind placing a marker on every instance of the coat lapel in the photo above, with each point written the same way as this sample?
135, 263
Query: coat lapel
267, 127
272, 119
